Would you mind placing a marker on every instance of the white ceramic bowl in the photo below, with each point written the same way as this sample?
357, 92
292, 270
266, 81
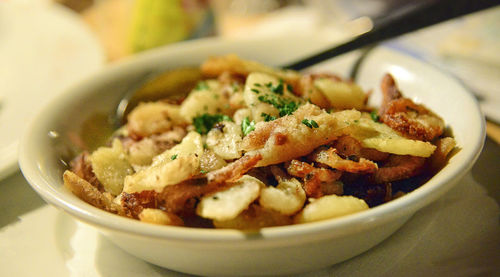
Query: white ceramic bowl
271, 251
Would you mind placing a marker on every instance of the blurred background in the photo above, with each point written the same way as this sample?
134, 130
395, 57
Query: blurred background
48, 45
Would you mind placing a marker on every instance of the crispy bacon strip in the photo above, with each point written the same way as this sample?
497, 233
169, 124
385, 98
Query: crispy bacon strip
330, 158
90, 194
403, 115
82, 167
317, 181
399, 167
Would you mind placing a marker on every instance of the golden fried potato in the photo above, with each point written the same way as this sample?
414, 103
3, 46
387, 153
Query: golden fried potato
381, 137
225, 142
330, 206
227, 204
288, 137
206, 98
288, 197
153, 118
171, 167
253, 218
156, 216
341, 94
110, 166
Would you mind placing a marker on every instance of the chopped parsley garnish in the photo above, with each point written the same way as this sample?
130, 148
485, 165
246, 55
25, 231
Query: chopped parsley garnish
284, 106
203, 171
257, 85
267, 117
255, 90
247, 126
278, 89
375, 116
235, 87
201, 86
310, 123
174, 157
289, 88
206, 122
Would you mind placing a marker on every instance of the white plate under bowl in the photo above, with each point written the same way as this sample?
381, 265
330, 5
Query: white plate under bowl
270, 251
44, 48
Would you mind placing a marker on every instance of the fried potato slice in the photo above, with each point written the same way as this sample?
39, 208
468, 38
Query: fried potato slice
171, 167
210, 161
191, 144
265, 86
205, 98
341, 94
288, 197
330, 206
111, 165
153, 118
156, 216
381, 137
288, 138
142, 152
254, 218
227, 204
225, 142
90, 194
215, 66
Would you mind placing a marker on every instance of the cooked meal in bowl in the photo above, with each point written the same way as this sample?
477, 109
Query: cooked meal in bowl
252, 146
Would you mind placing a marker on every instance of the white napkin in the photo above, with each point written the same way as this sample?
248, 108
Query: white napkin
458, 235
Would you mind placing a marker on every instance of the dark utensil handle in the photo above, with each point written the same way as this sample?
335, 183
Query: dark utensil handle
400, 23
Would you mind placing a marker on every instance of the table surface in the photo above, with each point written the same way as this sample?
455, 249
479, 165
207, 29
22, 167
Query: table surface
458, 235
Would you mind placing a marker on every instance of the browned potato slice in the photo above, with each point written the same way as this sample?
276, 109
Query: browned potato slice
227, 204
330, 206
288, 197
90, 194
111, 166
156, 216
253, 218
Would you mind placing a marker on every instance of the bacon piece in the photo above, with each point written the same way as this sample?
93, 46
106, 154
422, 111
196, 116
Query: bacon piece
330, 158
317, 181
403, 115
399, 167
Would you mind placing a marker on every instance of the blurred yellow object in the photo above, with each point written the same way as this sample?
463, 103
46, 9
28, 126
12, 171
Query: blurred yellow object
110, 21
158, 22
125, 27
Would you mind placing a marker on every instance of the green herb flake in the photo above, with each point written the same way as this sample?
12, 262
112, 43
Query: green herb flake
206, 122
257, 85
310, 123
267, 117
174, 157
202, 171
284, 106
201, 86
255, 90
236, 87
247, 126
375, 117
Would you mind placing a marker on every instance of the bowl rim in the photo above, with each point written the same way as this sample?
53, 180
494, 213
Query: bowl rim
370, 218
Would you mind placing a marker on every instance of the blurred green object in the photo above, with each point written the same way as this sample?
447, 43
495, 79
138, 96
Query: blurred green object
158, 22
